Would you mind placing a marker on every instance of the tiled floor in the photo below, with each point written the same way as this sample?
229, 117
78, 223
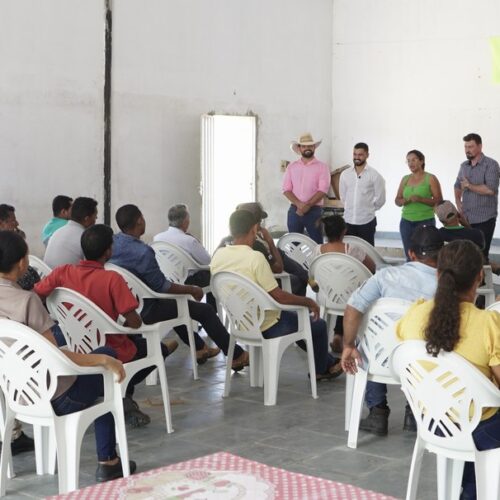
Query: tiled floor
299, 434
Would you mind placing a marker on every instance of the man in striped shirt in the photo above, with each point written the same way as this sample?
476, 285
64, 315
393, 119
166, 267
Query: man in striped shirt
476, 189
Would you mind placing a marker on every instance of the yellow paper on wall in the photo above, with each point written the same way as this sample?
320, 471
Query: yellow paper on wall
495, 58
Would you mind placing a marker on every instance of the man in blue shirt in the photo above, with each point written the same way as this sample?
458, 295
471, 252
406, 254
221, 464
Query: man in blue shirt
134, 255
411, 281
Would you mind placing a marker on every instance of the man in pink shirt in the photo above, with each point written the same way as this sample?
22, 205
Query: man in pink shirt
305, 184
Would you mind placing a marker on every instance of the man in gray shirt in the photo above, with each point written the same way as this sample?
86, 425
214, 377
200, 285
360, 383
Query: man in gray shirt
64, 246
476, 189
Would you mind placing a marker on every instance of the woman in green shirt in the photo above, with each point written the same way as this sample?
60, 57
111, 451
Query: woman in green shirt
418, 193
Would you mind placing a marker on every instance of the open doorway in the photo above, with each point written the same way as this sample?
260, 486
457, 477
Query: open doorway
227, 171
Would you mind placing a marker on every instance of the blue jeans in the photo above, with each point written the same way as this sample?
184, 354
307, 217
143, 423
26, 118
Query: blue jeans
311, 221
376, 394
83, 394
406, 228
486, 437
288, 323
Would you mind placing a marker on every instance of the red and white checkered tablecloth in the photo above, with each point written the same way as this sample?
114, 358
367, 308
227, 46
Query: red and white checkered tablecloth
222, 476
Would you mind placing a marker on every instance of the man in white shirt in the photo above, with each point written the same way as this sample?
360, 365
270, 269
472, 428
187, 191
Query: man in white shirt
177, 234
64, 246
362, 190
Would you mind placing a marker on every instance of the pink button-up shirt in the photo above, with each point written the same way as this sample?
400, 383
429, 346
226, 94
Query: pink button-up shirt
306, 179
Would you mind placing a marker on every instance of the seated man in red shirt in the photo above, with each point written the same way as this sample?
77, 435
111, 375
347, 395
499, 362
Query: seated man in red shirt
109, 291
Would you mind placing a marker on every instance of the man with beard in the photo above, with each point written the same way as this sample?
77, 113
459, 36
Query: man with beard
476, 189
362, 190
306, 182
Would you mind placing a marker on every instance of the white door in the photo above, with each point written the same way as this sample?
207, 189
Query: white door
227, 171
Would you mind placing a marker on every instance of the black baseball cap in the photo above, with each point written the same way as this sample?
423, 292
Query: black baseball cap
426, 241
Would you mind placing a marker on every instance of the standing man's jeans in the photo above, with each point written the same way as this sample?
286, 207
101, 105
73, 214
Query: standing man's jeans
311, 221
158, 310
84, 393
487, 228
406, 228
288, 323
364, 231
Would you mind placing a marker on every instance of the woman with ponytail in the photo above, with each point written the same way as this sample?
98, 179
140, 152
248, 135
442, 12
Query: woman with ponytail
451, 322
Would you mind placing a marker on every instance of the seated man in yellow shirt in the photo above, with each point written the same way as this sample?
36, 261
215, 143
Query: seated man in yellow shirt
451, 322
242, 259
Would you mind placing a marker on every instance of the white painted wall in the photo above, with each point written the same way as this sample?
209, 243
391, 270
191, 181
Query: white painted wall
51, 87
413, 75
174, 61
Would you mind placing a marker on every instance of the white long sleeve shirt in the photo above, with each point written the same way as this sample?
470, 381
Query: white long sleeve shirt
361, 194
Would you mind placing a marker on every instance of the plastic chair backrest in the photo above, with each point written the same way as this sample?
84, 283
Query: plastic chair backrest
337, 276
446, 394
83, 324
39, 265
29, 367
370, 250
174, 262
377, 336
138, 288
494, 307
298, 247
244, 302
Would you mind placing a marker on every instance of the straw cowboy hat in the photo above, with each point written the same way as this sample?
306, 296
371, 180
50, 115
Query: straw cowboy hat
305, 139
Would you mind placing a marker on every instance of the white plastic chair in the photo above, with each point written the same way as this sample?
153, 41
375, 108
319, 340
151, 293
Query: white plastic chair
142, 291
29, 369
245, 304
370, 250
298, 247
175, 263
376, 340
39, 265
85, 327
337, 276
446, 394
488, 289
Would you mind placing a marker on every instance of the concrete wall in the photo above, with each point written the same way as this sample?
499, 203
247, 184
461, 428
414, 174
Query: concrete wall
413, 75
174, 61
51, 105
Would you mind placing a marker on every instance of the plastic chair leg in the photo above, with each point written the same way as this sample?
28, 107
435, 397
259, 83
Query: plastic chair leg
487, 474
45, 453
358, 395
152, 378
312, 368
449, 477
121, 435
416, 464
272, 359
229, 361
349, 388
192, 348
256, 372
5, 456
165, 394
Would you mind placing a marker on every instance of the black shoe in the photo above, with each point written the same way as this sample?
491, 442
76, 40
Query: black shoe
108, 472
133, 415
21, 444
377, 422
409, 425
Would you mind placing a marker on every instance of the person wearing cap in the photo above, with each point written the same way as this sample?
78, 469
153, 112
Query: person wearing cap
362, 190
476, 189
411, 281
305, 184
277, 259
242, 259
454, 227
